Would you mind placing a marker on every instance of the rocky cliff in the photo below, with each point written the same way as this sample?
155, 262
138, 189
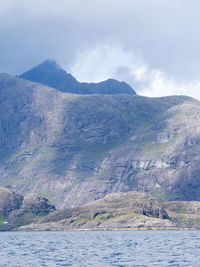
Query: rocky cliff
74, 148
16, 210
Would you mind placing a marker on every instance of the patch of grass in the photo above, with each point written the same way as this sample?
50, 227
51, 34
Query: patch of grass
156, 148
22, 151
100, 216
106, 217
97, 151
82, 221
11, 181
27, 218
180, 210
133, 215
3, 219
50, 195
163, 195
160, 193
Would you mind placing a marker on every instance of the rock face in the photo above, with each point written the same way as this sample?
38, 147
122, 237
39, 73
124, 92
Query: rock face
50, 74
37, 204
73, 148
17, 210
9, 201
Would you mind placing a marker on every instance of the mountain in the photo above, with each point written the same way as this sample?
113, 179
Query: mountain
74, 148
51, 74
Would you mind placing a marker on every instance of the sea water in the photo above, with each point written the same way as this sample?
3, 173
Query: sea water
100, 248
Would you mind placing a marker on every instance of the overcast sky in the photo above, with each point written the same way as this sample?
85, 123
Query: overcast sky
154, 45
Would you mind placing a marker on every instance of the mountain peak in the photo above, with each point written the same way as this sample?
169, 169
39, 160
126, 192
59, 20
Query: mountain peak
51, 74
50, 63
47, 65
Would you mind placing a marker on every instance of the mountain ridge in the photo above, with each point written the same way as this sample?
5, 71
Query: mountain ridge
51, 74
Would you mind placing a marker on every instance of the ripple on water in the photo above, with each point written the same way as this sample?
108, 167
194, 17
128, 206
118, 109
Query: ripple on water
100, 248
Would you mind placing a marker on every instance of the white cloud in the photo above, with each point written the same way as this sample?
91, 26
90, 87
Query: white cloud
103, 62
112, 61
159, 83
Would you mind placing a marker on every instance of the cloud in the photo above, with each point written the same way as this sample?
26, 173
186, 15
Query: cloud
113, 61
103, 61
161, 36
160, 84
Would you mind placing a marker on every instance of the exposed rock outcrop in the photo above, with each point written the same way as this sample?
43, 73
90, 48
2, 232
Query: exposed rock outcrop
9, 201
74, 148
18, 210
37, 204
132, 210
32, 203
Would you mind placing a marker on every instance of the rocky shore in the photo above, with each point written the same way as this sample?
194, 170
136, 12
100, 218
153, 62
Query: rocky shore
120, 211
116, 211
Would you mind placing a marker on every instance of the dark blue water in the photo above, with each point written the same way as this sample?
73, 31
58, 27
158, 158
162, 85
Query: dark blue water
100, 248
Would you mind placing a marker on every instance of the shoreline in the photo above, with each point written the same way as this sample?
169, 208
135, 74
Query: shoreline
107, 229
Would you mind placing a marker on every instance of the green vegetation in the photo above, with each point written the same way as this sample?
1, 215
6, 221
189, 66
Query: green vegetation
107, 217
49, 194
26, 218
3, 219
156, 148
180, 210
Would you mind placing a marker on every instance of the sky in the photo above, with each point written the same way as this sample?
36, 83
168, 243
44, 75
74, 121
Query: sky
153, 45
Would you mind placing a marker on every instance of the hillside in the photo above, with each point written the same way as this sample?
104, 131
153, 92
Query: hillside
132, 210
51, 74
74, 148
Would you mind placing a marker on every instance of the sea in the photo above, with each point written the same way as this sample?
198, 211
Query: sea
100, 248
